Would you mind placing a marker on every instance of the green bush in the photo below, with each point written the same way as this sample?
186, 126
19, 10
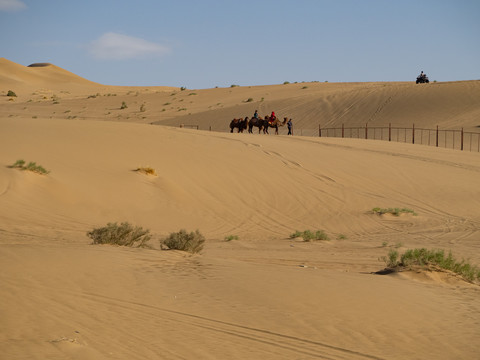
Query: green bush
309, 235
231, 237
11, 93
184, 241
437, 258
393, 211
123, 235
124, 105
31, 166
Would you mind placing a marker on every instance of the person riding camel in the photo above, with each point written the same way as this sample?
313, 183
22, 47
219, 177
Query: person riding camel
256, 114
272, 117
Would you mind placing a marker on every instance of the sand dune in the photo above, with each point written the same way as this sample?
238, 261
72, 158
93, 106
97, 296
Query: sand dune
261, 296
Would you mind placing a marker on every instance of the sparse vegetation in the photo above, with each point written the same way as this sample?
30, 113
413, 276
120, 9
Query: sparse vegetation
309, 235
231, 237
183, 88
393, 211
432, 260
124, 234
124, 105
305, 87
11, 93
147, 170
341, 237
286, 82
249, 100
191, 242
31, 166
233, 85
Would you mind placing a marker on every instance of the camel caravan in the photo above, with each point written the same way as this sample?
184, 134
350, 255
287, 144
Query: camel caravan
256, 121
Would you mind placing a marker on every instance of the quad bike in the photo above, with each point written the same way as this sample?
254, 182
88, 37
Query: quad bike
422, 79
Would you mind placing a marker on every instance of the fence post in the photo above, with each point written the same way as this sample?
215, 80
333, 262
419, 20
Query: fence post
413, 134
461, 140
436, 143
366, 131
343, 131
319, 131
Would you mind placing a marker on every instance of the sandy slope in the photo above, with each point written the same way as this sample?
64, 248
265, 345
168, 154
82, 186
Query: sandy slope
261, 296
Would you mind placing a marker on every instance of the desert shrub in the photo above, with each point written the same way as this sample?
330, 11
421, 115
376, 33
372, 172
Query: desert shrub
231, 237
147, 170
11, 93
233, 85
286, 82
432, 258
393, 211
123, 235
124, 105
19, 164
309, 235
249, 100
31, 166
191, 242
183, 88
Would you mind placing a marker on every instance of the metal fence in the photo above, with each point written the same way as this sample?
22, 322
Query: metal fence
452, 139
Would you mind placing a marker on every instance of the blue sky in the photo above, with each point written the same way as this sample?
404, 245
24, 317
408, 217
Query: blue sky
207, 43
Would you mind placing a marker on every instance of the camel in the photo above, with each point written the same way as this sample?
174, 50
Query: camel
255, 122
274, 124
240, 124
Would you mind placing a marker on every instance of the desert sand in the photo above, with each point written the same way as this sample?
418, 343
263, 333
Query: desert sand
263, 295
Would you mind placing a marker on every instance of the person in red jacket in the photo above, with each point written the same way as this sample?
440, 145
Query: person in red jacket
272, 117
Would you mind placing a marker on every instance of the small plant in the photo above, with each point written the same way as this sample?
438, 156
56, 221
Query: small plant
341, 237
192, 94
31, 166
124, 105
231, 237
249, 100
233, 85
385, 244
147, 170
305, 87
286, 82
11, 93
393, 211
183, 88
123, 235
184, 241
309, 235
391, 260
19, 164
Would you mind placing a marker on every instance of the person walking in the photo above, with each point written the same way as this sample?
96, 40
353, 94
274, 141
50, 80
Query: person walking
290, 127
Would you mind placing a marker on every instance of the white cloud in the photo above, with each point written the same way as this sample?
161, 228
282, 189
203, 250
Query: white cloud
12, 5
112, 46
